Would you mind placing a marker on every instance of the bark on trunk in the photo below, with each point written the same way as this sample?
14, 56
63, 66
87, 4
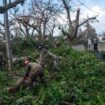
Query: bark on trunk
7, 38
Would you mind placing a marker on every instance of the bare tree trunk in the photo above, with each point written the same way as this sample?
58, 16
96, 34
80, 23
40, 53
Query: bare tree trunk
7, 36
76, 25
27, 32
67, 8
44, 31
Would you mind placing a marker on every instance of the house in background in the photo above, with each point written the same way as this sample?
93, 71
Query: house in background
101, 38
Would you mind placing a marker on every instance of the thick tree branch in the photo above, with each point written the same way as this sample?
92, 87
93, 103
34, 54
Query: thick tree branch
73, 35
92, 18
28, 24
10, 5
76, 24
67, 8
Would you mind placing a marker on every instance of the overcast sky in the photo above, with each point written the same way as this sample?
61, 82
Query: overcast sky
94, 7
91, 8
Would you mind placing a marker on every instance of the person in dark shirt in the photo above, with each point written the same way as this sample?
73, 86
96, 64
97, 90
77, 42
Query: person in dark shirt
1, 60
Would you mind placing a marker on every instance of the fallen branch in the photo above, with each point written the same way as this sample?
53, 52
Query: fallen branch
66, 103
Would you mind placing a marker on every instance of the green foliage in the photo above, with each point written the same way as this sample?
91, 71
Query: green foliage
23, 46
80, 80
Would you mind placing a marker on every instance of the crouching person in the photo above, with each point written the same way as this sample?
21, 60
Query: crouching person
33, 70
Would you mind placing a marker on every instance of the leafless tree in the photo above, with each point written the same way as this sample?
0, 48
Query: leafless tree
73, 26
41, 18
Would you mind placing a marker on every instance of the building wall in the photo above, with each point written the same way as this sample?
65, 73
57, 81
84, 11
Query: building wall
101, 38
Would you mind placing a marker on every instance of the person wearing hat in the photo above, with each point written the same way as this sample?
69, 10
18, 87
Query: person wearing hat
32, 71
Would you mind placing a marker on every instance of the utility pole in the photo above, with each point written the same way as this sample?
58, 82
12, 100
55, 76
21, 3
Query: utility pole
7, 38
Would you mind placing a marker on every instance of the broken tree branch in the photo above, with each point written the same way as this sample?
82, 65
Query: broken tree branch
10, 5
92, 18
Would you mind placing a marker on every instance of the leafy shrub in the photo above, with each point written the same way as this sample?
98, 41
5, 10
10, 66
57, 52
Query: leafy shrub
80, 80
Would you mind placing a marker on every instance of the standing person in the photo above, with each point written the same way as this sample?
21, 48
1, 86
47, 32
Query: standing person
85, 44
89, 44
95, 45
2, 60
